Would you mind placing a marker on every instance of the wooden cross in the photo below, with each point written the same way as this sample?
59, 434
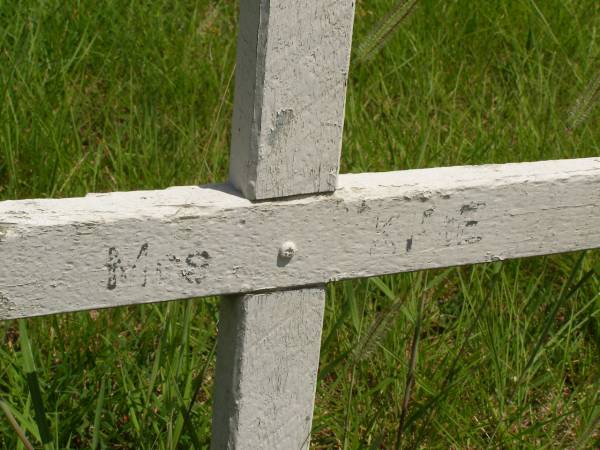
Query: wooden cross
275, 246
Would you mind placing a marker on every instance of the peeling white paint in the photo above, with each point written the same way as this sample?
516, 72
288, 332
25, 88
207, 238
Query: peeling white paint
137, 247
292, 68
268, 357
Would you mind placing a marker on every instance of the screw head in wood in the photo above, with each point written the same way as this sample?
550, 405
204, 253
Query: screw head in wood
287, 250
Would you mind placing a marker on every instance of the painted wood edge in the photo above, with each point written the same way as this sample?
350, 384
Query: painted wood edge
140, 247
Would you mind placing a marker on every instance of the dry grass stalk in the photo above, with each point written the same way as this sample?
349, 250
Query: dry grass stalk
384, 29
584, 104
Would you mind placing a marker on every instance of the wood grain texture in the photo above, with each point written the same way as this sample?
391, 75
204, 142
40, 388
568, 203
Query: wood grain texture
292, 68
135, 247
268, 357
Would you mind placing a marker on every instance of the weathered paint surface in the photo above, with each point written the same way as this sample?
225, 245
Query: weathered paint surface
268, 356
292, 68
136, 247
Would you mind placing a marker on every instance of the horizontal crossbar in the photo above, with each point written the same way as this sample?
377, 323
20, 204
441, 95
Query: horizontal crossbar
126, 248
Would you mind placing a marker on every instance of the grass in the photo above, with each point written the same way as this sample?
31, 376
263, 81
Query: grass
137, 94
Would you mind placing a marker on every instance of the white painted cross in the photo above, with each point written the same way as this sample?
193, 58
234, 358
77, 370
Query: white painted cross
275, 255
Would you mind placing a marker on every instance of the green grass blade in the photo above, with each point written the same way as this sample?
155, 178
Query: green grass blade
567, 294
589, 431
98, 416
428, 409
410, 375
33, 384
377, 281
26, 351
198, 382
378, 330
15, 426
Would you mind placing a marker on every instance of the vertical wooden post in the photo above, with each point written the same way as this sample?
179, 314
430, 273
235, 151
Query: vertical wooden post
268, 356
292, 68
